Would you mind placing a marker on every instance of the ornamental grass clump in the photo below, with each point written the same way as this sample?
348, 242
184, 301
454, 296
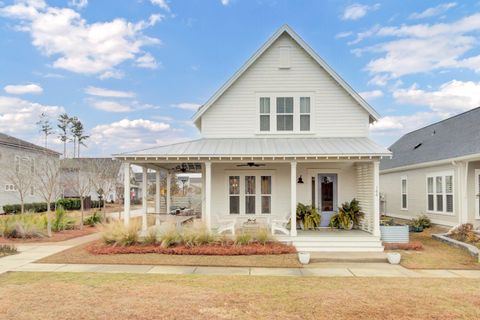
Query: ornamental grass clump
263, 236
243, 238
169, 236
23, 226
117, 233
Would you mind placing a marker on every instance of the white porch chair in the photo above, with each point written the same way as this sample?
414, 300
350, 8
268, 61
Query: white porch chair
227, 225
280, 225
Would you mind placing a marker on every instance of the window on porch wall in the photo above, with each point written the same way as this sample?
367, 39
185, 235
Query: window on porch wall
234, 194
249, 194
266, 191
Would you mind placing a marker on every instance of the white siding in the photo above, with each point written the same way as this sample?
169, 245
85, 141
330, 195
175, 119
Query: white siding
335, 112
417, 194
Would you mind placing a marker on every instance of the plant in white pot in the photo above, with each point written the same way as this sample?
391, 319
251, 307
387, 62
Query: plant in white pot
304, 257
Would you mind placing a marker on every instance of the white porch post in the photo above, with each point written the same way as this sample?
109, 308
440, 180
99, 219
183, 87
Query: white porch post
157, 197
144, 198
376, 198
168, 200
293, 198
126, 193
208, 194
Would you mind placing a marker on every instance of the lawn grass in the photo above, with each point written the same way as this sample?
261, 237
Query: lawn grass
81, 256
436, 254
126, 296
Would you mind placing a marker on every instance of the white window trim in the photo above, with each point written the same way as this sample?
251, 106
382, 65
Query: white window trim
476, 195
258, 195
404, 178
442, 174
296, 112
9, 187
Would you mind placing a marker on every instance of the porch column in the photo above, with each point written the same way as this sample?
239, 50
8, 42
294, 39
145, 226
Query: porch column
168, 200
157, 197
126, 192
376, 198
144, 198
208, 194
293, 198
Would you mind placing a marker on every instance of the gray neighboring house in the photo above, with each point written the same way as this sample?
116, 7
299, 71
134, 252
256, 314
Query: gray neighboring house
13, 153
435, 170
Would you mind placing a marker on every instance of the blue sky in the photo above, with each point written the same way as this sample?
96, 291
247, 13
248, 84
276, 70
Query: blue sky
134, 71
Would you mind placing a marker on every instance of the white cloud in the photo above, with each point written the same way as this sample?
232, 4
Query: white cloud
370, 95
18, 117
78, 46
111, 106
146, 61
451, 97
23, 88
422, 48
397, 125
101, 92
79, 4
187, 106
344, 34
356, 11
225, 2
130, 135
163, 4
111, 74
433, 11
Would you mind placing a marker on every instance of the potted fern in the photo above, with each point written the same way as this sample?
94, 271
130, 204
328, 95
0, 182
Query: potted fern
348, 217
308, 217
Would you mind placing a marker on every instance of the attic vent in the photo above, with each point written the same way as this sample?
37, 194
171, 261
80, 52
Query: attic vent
284, 57
434, 132
417, 146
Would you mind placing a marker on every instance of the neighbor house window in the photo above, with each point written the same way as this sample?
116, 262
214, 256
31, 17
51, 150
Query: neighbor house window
32, 191
284, 113
404, 193
304, 113
234, 194
440, 193
10, 187
250, 194
264, 114
266, 193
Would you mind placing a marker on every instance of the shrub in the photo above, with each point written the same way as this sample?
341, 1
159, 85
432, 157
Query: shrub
117, 233
62, 221
152, 236
93, 219
308, 215
461, 232
263, 236
7, 249
169, 236
69, 203
23, 226
243, 238
424, 221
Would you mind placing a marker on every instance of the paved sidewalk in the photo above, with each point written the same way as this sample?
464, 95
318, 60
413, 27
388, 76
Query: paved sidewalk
324, 270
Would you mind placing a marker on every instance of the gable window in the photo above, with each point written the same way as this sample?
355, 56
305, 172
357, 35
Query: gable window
440, 193
264, 114
284, 113
304, 113
404, 193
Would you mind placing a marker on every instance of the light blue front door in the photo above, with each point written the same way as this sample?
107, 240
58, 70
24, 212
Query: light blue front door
327, 197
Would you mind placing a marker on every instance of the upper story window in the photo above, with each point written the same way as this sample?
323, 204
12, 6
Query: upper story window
264, 114
281, 114
284, 114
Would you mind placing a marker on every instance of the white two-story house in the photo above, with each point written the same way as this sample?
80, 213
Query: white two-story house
284, 129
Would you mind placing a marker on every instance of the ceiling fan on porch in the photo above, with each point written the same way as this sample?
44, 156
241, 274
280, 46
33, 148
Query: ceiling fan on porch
251, 164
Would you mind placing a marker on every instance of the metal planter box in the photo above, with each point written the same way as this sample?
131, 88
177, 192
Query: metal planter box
394, 234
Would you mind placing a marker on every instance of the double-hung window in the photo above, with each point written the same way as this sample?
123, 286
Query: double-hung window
250, 193
440, 193
404, 203
304, 113
284, 113
234, 194
266, 194
265, 114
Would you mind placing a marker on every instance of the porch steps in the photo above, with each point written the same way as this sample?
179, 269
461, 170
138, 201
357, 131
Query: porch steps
332, 243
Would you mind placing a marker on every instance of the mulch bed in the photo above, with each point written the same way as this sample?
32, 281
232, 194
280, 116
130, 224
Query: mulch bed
56, 236
412, 245
212, 250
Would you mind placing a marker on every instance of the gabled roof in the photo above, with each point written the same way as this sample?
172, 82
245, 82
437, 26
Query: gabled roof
264, 147
451, 138
286, 29
13, 142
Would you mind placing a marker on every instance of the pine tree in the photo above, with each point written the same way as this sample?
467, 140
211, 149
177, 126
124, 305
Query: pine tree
45, 127
63, 125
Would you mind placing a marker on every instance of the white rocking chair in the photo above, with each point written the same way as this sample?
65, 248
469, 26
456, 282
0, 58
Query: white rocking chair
227, 225
280, 225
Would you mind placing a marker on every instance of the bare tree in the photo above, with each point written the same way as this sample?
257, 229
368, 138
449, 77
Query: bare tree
20, 176
78, 180
47, 183
104, 177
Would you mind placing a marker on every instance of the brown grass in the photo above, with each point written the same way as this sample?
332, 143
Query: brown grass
436, 254
127, 296
79, 254
56, 236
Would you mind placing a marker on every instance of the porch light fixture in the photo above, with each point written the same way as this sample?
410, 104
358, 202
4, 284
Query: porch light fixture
300, 179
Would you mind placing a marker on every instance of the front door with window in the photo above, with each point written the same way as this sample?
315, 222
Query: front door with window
327, 197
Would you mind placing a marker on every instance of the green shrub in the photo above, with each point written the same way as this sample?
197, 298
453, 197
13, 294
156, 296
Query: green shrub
7, 249
23, 226
424, 221
243, 238
117, 233
62, 221
69, 203
93, 219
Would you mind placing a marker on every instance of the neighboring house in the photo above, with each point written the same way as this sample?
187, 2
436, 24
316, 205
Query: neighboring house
19, 157
436, 170
104, 173
284, 129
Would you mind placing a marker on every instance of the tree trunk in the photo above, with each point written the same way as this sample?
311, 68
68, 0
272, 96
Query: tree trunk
49, 221
22, 205
102, 208
64, 149
82, 215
